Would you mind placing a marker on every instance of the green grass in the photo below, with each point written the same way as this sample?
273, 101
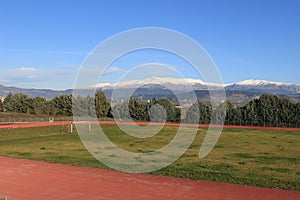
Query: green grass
249, 157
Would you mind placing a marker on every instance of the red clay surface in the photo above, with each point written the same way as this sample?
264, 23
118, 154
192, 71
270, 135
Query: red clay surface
39, 124
24, 179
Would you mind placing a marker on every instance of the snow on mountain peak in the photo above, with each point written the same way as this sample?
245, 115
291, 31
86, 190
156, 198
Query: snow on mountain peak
258, 82
156, 80
178, 82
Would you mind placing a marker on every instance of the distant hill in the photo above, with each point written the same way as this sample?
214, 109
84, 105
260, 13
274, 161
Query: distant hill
47, 93
239, 93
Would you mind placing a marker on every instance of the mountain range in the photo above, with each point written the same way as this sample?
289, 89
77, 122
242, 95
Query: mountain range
238, 93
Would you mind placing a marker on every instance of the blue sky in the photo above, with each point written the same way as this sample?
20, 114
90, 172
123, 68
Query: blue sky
43, 43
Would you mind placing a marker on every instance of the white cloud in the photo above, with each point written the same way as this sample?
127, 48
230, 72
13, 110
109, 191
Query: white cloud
37, 77
4, 81
112, 70
26, 69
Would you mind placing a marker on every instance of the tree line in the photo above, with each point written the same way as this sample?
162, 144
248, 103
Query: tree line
21, 103
268, 110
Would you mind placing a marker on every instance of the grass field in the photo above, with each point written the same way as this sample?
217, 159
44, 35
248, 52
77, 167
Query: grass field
249, 157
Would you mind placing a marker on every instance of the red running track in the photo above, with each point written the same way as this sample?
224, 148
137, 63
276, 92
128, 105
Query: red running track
30, 180
31, 124
40, 124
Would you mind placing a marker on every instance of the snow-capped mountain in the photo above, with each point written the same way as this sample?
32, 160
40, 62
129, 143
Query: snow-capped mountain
238, 93
259, 82
180, 84
265, 86
170, 83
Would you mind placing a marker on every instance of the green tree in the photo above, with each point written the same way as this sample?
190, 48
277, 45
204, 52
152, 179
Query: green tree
1, 105
102, 104
121, 112
84, 106
234, 116
38, 105
286, 112
17, 103
192, 114
50, 109
138, 109
233, 113
219, 113
249, 113
157, 113
23, 103
173, 113
63, 105
8, 103
199, 113
297, 114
